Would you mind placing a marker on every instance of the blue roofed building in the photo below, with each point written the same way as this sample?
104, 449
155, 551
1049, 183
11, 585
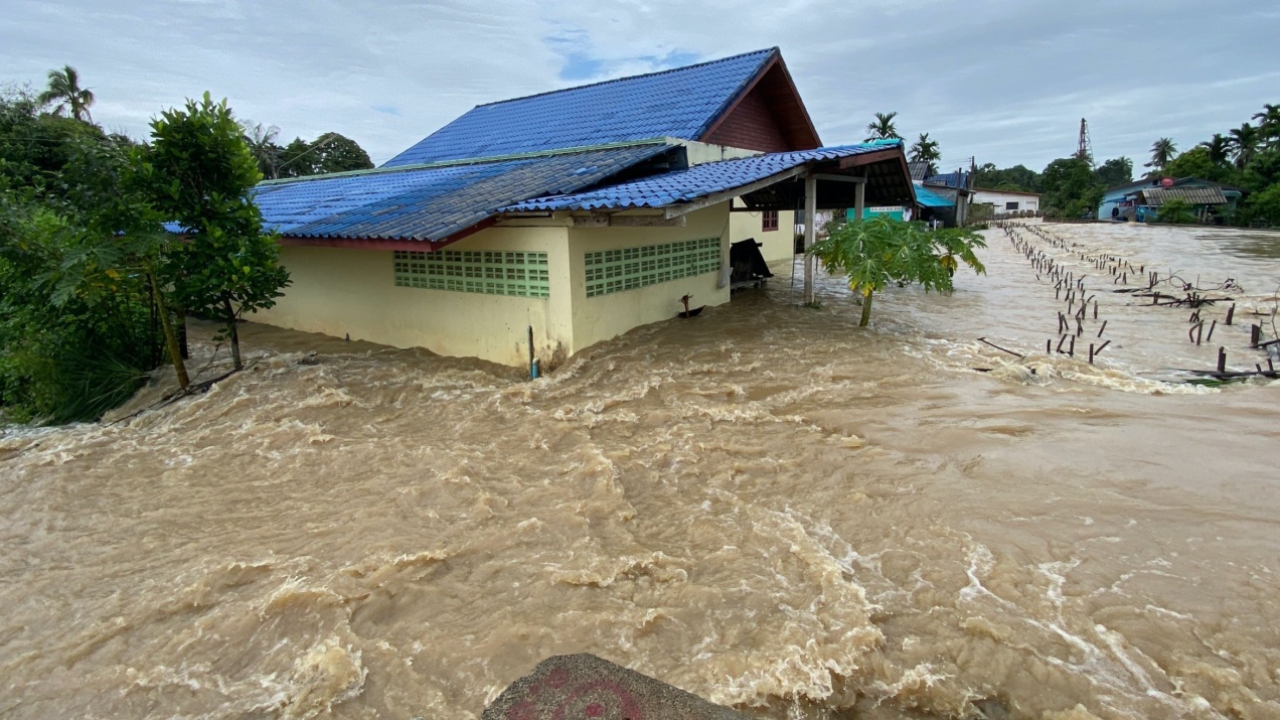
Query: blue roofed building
576, 214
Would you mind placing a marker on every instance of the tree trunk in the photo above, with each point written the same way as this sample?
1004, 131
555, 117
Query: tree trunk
182, 333
234, 333
866, 310
170, 337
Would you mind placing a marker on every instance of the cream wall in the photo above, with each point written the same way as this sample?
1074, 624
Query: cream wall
338, 291
778, 245
606, 316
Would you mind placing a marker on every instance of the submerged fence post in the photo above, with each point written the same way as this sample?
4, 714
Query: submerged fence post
533, 367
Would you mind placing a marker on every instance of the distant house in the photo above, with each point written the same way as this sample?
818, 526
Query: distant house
1141, 200
570, 216
1007, 202
943, 198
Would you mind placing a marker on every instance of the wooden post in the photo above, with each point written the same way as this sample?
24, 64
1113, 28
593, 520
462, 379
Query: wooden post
1231, 313
1222, 360
1255, 334
859, 200
810, 232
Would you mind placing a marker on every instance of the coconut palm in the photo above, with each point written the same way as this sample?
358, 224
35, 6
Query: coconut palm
1269, 122
883, 128
1162, 151
1244, 143
65, 93
262, 143
1219, 149
925, 150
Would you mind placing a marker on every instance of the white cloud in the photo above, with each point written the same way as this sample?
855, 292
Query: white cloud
1002, 80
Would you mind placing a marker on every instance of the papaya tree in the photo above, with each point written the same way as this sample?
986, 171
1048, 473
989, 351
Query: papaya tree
881, 250
200, 173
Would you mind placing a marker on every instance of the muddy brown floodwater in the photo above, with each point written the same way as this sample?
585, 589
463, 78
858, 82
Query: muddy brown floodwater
765, 505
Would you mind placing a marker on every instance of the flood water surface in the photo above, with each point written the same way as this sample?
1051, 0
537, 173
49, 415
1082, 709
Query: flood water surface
765, 505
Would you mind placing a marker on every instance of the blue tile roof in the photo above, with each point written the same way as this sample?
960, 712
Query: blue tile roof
679, 103
431, 204
949, 180
696, 182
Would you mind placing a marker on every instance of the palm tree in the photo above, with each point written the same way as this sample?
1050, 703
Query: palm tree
1244, 143
262, 143
925, 150
66, 94
1269, 122
1162, 151
1219, 149
883, 128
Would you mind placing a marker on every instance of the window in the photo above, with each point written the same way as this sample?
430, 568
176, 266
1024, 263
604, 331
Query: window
1011, 206
613, 271
769, 221
523, 274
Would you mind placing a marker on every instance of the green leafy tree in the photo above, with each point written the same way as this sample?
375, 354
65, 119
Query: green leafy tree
1244, 144
1198, 163
1176, 212
200, 173
1265, 206
78, 313
262, 143
1018, 177
1069, 189
338, 153
876, 252
925, 150
883, 128
1116, 171
1218, 149
66, 95
1269, 123
1162, 151
329, 153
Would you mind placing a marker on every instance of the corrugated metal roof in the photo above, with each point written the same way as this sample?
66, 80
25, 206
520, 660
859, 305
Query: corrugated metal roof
696, 182
679, 103
950, 180
431, 203
1155, 197
928, 198
919, 170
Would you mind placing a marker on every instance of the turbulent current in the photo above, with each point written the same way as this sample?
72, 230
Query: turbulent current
764, 505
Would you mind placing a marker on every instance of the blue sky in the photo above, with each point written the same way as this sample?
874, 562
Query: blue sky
1005, 81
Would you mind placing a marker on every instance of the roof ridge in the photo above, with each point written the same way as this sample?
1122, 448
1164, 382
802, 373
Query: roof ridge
656, 73
381, 170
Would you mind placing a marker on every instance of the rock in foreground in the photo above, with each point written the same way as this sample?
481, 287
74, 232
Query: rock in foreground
584, 687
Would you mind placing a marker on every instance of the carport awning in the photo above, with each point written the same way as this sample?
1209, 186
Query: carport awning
768, 182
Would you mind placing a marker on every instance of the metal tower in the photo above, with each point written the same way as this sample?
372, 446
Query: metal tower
1084, 150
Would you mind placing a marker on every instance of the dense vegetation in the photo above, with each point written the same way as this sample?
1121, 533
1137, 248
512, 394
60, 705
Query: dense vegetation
1247, 157
93, 289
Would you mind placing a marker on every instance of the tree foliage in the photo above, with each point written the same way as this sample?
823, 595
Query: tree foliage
1162, 151
66, 95
1116, 171
199, 173
883, 127
1069, 188
874, 253
1176, 212
925, 150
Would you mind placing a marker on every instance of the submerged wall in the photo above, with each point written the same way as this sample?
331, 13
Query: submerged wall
338, 291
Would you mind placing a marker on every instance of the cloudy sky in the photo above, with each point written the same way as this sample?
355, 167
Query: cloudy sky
1005, 81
